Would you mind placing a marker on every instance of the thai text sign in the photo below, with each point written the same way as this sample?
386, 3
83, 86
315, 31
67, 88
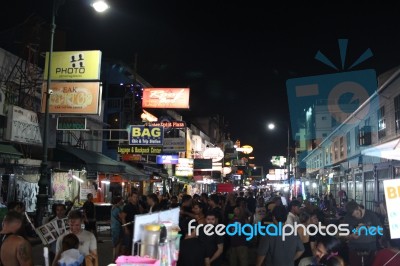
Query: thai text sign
22, 126
74, 65
73, 98
143, 135
166, 98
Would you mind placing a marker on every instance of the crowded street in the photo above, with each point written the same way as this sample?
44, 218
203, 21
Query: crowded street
199, 133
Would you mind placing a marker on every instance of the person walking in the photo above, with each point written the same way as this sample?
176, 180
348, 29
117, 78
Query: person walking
127, 216
116, 226
89, 210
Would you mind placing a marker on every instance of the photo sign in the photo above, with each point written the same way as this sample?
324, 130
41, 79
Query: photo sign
74, 65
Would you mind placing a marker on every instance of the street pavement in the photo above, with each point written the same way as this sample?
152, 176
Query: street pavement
104, 250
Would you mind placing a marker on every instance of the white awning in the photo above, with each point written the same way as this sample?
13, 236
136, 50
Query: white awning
389, 150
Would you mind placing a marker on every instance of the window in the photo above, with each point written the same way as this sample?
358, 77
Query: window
324, 135
365, 136
381, 123
357, 137
397, 112
327, 156
323, 118
336, 150
341, 145
348, 143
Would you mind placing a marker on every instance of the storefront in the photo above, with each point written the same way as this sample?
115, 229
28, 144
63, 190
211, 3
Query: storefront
96, 174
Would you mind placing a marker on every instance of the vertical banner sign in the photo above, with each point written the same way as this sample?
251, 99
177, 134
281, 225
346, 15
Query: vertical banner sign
392, 196
146, 135
74, 65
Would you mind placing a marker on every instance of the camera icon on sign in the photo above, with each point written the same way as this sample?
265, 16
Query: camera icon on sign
331, 98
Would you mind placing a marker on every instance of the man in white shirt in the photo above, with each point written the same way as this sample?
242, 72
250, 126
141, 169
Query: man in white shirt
294, 211
87, 240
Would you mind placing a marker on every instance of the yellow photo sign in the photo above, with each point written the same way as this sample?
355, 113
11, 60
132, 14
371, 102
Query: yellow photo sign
74, 65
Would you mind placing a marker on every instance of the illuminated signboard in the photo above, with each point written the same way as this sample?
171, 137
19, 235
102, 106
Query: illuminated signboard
184, 167
71, 123
166, 98
167, 159
73, 98
143, 150
146, 135
74, 65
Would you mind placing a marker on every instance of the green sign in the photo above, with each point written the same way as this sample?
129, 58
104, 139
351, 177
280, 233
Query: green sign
71, 123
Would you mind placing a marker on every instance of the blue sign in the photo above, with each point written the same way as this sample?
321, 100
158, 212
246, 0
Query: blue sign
167, 159
146, 135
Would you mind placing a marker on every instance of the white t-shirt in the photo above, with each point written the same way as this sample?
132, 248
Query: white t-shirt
87, 242
291, 219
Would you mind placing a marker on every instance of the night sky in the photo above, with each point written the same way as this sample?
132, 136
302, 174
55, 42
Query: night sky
234, 55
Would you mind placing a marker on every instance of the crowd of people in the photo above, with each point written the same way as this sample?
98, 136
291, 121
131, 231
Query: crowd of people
302, 248
199, 248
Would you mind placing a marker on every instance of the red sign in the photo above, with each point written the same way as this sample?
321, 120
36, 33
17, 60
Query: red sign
225, 187
131, 157
166, 98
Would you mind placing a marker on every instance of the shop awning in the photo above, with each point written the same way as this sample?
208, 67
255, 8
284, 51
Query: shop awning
389, 150
93, 161
133, 173
8, 151
97, 162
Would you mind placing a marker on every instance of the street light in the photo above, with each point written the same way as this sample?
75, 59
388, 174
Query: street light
43, 197
100, 6
271, 126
